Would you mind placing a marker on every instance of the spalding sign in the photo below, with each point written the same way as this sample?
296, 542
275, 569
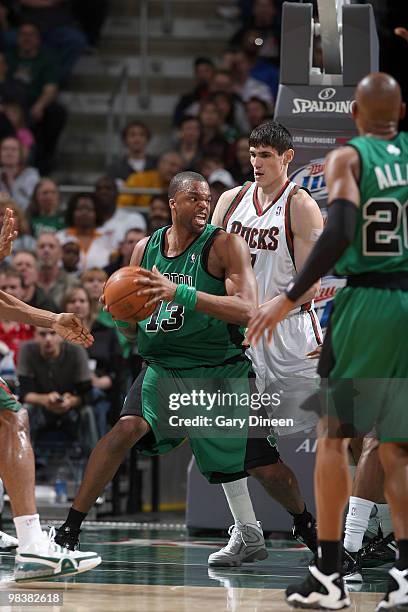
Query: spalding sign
312, 178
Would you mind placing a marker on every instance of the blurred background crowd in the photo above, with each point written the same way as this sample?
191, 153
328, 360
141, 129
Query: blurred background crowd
70, 241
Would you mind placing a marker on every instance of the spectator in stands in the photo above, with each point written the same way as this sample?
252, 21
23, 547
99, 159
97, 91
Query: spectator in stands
265, 19
52, 279
188, 142
219, 181
11, 333
90, 20
169, 164
61, 36
241, 168
159, 214
43, 211
244, 84
55, 382
10, 90
32, 67
226, 109
212, 140
104, 355
115, 221
26, 263
23, 242
262, 68
257, 111
135, 137
127, 245
70, 258
204, 71
15, 177
209, 164
15, 114
82, 218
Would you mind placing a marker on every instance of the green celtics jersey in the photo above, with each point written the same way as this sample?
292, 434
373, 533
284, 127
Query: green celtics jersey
381, 238
174, 337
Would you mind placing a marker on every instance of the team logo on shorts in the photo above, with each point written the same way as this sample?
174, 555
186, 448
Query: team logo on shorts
193, 257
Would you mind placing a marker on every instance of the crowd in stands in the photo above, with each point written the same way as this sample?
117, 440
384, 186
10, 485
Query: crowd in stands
67, 247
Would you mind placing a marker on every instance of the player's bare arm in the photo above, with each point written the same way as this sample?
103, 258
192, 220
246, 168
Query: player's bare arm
341, 173
230, 259
222, 206
67, 325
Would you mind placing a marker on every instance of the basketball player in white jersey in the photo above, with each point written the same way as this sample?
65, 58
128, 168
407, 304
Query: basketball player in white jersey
280, 222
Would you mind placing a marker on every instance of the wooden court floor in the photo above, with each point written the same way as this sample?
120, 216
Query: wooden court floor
163, 570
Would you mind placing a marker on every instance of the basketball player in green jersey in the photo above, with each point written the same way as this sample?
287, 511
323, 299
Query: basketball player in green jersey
366, 238
206, 291
37, 557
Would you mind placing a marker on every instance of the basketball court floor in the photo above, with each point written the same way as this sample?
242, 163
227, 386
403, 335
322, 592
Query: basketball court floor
155, 568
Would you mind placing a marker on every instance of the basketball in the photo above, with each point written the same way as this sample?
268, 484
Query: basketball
120, 295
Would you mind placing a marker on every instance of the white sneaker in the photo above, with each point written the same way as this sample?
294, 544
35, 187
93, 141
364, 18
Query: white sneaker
245, 545
7, 542
396, 597
45, 559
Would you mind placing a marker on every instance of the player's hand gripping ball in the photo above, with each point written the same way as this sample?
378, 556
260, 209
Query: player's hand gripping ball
121, 299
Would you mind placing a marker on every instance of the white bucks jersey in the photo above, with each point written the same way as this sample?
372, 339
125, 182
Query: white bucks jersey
268, 234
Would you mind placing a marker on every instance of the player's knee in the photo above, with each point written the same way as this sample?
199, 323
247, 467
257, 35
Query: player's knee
128, 430
14, 423
332, 445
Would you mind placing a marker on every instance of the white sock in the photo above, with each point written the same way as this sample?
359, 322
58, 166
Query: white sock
239, 501
357, 522
385, 518
28, 529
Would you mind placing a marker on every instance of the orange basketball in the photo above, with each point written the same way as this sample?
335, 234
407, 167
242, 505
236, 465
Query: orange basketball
120, 296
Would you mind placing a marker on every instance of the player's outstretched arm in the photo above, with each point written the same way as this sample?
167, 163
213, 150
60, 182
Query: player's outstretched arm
8, 234
230, 259
341, 173
67, 325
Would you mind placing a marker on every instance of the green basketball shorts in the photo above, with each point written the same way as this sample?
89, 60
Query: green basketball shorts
7, 399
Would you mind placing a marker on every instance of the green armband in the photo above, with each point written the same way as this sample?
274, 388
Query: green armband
186, 296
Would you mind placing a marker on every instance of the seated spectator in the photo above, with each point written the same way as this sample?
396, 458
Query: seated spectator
127, 246
169, 164
188, 142
61, 36
212, 140
26, 263
32, 67
209, 164
82, 218
241, 168
135, 137
115, 221
244, 84
257, 111
15, 114
70, 258
262, 68
104, 356
93, 281
219, 181
55, 382
226, 109
203, 71
265, 18
159, 214
16, 178
52, 279
43, 211
10, 90
23, 242
11, 333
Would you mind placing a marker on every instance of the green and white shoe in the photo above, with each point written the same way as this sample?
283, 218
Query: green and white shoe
7, 542
46, 560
